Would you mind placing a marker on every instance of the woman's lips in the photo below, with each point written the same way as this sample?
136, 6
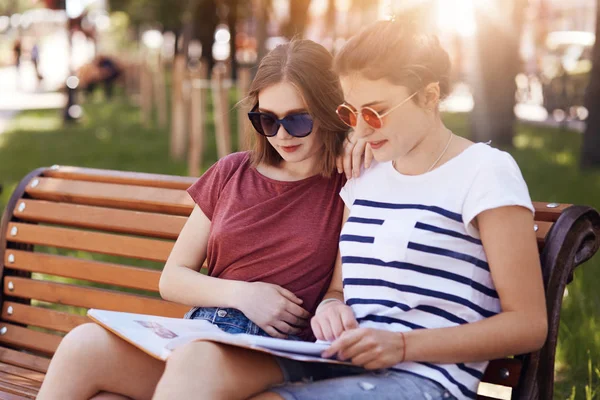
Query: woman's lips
376, 145
290, 149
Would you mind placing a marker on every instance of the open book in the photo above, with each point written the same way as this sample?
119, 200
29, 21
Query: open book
159, 336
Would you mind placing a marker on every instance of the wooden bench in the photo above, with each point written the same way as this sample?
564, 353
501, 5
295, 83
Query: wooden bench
110, 232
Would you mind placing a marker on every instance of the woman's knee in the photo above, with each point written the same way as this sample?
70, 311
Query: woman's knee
84, 339
196, 354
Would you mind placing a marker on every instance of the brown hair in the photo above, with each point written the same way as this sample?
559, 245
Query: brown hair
397, 51
309, 67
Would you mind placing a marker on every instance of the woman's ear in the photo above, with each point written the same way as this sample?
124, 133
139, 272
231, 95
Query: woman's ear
431, 96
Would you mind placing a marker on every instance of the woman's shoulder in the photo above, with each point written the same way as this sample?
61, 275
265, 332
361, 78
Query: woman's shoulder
484, 156
234, 160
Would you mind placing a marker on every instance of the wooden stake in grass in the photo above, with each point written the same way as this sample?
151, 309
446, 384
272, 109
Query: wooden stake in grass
146, 92
197, 118
177, 145
221, 110
243, 85
160, 94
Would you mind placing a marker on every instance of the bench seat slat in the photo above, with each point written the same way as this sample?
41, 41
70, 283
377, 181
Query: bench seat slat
20, 381
24, 360
23, 372
122, 177
41, 317
105, 243
73, 295
10, 396
140, 198
13, 392
94, 271
100, 218
29, 339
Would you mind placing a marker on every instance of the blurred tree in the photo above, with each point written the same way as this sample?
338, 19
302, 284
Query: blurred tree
261, 16
296, 25
590, 149
188, 19
496, 63
9, 7
168, 14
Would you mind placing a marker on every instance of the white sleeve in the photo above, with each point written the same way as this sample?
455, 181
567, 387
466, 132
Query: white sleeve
498, 183
348, 194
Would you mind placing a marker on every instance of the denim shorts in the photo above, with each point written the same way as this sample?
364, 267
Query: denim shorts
331, 381
229, 320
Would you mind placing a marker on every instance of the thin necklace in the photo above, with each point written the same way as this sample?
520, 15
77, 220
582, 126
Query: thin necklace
439, 158
443, 152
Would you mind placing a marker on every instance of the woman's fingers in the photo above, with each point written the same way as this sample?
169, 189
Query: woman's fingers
274, 333
368, 155
294, 320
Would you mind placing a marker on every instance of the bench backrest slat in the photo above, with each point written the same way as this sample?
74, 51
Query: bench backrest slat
100, 218
104, 243
80, 296
141, 198
41, 317
127, 178
548, 211
29, 339
76, 268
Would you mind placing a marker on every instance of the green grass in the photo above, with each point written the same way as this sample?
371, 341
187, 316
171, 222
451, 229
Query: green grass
110, 136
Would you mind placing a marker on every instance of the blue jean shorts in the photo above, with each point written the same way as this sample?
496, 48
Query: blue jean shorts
229, 320
309, 380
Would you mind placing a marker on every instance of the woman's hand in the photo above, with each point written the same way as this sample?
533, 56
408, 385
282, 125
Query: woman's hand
369, 348
332, 320
275, 309
355, 151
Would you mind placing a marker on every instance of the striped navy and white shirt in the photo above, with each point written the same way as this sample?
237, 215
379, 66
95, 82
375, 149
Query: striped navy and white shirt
412, 257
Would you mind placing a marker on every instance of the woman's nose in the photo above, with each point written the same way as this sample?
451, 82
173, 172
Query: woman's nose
282, 133
362, 129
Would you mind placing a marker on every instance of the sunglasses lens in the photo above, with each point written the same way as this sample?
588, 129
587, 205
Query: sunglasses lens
269, 124
371, 118
346, 115
264, 124
298, 125
255, 120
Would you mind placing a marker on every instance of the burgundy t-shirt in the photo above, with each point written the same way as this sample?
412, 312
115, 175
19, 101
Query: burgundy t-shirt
266, 230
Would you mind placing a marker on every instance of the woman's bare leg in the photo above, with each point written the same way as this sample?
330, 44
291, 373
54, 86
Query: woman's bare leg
109, 396
267, 396
207, 370
91, 360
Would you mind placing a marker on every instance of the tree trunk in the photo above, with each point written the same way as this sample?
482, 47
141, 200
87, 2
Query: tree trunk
496, 63
232, 20
262, 20
298, 19
207, 19
590, 149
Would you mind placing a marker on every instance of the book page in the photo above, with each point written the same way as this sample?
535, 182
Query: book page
159, 336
